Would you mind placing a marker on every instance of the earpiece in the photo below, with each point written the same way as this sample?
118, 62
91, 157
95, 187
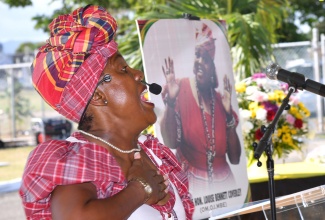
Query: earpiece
107, 78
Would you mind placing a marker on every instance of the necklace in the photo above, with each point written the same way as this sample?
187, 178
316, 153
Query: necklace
111, 145
211, 147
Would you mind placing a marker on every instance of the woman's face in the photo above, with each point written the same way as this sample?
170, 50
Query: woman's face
204, 68
125, 93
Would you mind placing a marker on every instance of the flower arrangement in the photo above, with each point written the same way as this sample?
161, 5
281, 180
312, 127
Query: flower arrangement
259, 99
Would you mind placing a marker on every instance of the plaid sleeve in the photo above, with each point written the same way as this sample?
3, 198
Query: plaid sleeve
172, 167
180, 180
60, 163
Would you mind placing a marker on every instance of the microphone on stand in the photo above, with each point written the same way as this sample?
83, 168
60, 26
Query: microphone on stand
153, 87
274, 71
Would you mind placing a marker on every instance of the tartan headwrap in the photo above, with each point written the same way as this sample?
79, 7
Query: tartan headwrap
66, 70
204, 38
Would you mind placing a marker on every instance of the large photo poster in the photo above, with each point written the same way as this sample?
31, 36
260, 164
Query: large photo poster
197, 110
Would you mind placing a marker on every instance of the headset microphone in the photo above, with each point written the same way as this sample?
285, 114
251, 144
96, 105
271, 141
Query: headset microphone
153, 87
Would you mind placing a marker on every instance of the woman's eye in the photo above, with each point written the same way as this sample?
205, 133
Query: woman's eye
197, 54
124, 69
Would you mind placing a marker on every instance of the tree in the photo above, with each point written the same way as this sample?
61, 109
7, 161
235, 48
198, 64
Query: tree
252, 24
17, 3
307, 12
310, 12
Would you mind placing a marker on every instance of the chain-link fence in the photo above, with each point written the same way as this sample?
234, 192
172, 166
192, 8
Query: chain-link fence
306, 58
21, 108
295, 57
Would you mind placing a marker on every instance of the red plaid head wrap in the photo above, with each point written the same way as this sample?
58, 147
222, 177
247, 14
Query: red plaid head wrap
66, 70
204, 38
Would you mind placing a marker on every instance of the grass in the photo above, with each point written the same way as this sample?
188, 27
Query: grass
16, 157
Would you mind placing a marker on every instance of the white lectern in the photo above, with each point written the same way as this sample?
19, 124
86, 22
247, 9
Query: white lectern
307, 204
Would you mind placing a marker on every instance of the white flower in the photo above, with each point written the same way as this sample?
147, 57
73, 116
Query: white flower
247, 126
261, 114
250, 90
271, 85
258, 96
261, 82
244, 114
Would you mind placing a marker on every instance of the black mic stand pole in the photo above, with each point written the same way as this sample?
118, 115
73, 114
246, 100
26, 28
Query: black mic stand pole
265, 145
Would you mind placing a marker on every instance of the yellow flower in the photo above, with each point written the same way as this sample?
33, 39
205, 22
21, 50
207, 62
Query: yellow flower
301, 105
286, 138
240, 87
307, 112
253, 106
272, 96
279, 132
286, 129
279, 94
299, 116
293, 110
293, 131
253, 113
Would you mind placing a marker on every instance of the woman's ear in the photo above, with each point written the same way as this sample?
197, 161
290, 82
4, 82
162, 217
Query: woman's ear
99, 98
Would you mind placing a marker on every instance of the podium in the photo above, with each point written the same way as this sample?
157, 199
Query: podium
307, 204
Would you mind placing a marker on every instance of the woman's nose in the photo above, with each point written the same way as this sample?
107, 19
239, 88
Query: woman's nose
199, 59
138, 75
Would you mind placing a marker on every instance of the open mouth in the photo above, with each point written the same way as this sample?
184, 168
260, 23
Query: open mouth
199, 70
144, 96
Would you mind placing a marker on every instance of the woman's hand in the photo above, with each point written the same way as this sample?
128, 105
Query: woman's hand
169, 74
226, 98
142, 169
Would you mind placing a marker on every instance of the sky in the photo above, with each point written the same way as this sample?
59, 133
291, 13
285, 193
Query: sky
16, 24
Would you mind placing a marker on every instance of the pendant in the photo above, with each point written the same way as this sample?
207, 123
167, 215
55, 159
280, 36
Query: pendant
210, 158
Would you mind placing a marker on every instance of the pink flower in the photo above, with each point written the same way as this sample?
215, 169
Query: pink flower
294, 99
284, 86
258, 75
290, 119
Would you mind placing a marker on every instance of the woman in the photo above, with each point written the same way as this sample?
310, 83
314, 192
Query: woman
199, 122
102, 171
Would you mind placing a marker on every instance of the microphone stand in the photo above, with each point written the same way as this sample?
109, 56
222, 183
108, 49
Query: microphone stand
265, 145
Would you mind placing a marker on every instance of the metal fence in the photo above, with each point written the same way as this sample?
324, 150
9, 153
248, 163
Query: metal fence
19, 102
306, 58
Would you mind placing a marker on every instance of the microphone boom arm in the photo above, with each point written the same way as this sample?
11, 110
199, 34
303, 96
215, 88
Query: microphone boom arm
265, 140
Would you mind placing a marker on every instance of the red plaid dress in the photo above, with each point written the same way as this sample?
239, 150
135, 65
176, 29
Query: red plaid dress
60, 162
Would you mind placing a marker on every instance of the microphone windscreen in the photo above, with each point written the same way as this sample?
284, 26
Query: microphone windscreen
272, 71
155, 88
